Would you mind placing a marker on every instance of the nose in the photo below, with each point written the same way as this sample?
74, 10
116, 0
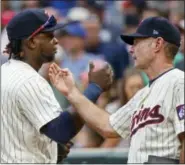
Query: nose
55, 41
131, 50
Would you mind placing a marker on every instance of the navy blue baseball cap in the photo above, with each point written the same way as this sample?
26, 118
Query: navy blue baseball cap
76, 29
32, 21
155, 27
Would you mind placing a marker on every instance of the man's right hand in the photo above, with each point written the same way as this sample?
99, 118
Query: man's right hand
102, 77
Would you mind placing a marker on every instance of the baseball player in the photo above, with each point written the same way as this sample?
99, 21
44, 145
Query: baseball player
32, 122
154, 117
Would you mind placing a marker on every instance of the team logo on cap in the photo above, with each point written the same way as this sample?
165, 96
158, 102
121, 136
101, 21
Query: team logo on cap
155, 32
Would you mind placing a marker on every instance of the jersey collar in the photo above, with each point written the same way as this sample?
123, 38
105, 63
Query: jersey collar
151, 81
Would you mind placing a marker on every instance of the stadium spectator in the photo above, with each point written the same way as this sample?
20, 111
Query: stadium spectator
63, 6
72, 39
179, 59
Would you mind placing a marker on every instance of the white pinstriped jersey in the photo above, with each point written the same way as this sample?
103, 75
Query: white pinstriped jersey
27, 103
153, 118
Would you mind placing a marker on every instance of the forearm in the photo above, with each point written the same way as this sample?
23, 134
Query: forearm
110, 142
182, 159
97, 118
92, 92
78, 120
69, 123
60, 129
182, 153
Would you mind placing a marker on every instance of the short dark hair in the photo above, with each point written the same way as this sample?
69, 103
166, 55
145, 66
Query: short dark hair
13, 48
171, 50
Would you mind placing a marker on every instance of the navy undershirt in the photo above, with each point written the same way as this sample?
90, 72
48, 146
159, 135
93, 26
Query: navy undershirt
62, 128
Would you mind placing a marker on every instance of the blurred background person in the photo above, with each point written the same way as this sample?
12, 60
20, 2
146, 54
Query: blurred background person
55, 12
109, 32
6, 13
176, 11
179, 58
3, 59
112, 51
30, 4
131, 22
72, 38
63, 6
79, 14
153, 12
132, 81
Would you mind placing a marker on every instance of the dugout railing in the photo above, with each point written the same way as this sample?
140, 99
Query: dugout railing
97, 156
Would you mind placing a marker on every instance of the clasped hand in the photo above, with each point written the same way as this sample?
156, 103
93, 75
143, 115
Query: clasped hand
63, 79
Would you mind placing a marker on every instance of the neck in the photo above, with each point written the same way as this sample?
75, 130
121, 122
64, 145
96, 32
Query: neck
32, 62
34, 65
154, 72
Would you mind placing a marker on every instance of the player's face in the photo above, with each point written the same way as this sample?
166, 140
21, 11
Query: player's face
47, 47
141, 52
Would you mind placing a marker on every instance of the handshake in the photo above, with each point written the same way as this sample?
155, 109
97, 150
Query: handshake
63, 79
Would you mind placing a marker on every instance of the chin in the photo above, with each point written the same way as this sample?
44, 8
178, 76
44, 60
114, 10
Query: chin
51, 59
139, 66
48, 58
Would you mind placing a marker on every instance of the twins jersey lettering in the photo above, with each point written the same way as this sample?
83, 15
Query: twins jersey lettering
27, 104
153, 118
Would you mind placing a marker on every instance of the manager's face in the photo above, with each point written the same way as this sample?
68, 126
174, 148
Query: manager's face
141, 52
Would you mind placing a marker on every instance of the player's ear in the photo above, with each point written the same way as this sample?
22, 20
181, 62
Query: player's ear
31, 43
158, 44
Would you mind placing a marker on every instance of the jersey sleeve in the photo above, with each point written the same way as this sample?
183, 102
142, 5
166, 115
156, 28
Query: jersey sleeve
37, 102
178, 107
121, 119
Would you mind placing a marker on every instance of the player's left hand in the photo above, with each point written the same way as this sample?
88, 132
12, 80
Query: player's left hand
103, 76
64, 150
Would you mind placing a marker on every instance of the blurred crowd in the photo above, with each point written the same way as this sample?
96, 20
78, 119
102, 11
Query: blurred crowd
96, 37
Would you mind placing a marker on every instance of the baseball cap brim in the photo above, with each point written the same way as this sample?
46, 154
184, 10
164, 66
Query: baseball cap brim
59, 26
129, 39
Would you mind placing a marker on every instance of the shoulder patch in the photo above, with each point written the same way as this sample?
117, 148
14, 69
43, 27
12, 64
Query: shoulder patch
180, 112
